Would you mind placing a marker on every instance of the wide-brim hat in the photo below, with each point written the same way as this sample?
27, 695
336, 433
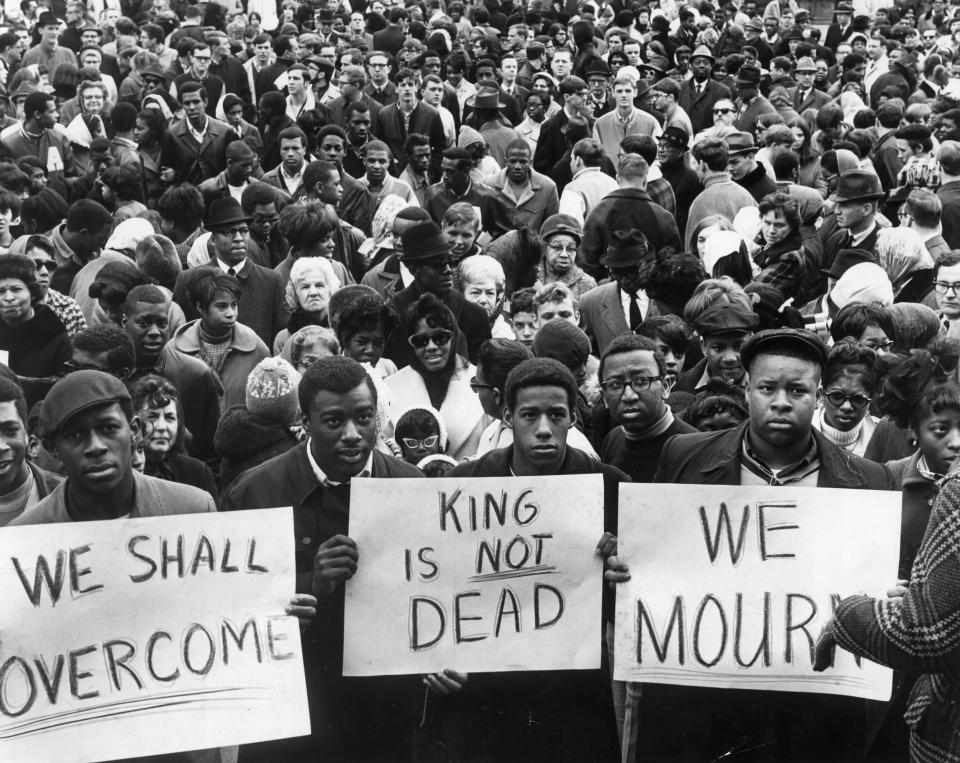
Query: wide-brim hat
153, 70
740, 143
844, 8
702, 51
224, 212
857, 185
25, 88
677, 136
486, 97
422, 242
755, 24
806, 64
626, 248
805, 341
846, 259
598, 67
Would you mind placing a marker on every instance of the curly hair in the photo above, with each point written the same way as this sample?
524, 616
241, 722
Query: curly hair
907, 378
848, 356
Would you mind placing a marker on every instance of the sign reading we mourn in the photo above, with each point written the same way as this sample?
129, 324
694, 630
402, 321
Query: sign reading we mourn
730, 586
143, 636
479, 574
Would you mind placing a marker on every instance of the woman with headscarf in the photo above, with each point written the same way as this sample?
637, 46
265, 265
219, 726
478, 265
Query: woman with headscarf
909, 266
379, 246
915, 326
438, 376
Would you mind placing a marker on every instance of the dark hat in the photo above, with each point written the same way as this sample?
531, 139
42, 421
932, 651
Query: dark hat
561, 224
562, 341
846, 259
740, 143
643, 87
91, 27
802, 13
677, 136
486, 97
656, 63
844, 8
599, 67
748, 75
805, 341
424, 241
47, 19
626, 248
793, 34
153, 70
224, 212
76, 393
25, 88
857, 185
726, 318
702, 51
325, 16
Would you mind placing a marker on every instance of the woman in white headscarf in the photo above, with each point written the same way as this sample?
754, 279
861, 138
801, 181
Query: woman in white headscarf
909, 266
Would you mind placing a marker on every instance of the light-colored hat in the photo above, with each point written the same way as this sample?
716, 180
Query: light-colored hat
271, 391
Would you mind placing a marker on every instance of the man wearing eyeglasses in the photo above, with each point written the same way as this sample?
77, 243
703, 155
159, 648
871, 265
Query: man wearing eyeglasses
40, 251
200, 60
946, 287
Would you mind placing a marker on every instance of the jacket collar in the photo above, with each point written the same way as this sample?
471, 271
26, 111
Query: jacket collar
187, 338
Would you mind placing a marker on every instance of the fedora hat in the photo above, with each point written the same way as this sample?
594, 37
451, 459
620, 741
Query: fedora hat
486, 97
423, 242
846, 259
857, 185
626, 248
598, 67
740, 143
153, 70
702, 51
844, 8
224, 212
748, 75
806, 64
755, 24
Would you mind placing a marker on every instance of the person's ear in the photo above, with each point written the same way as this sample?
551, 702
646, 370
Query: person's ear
136, 429
33, 447
508, 417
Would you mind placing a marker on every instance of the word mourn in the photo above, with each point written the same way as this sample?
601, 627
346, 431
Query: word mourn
485, 562
730, 586
168, 622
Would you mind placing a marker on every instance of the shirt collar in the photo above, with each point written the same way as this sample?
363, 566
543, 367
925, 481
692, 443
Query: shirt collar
236, 268
321, 476
856, 240
807, 465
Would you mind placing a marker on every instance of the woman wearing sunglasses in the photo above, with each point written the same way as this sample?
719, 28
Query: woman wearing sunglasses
437, 376
849, 384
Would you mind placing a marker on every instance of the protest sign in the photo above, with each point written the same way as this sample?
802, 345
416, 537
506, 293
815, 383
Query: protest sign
730, 586
143, 636
477, 575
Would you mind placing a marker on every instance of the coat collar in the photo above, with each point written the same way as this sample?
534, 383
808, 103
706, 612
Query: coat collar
187, 338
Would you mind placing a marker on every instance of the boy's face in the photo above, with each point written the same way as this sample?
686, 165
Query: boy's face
461, 236
562, 310
418, 443
524, 327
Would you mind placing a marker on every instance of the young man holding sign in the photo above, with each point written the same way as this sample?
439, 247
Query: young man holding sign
778, 447
540, 715
351, 718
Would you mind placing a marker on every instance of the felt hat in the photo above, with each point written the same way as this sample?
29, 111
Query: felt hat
806, 64
561, 224
424, 241
805, 341
24, 89
844, 8
486, 97
702, 51
740, 143
271, 391
846, 259
748, 75
153, 71
677, 136
793, 34
857, 185
598, 67
754, 23
76, 393
47, 19
224, 212
726, 318
626, 248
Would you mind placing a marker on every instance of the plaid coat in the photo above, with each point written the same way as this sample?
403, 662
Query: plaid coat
920, 633
782, 265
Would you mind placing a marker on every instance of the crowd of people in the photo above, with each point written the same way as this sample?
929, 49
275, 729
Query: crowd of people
250, 251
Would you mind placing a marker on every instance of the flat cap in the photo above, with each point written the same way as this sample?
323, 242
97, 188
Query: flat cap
805, 342
726, 318
76, 393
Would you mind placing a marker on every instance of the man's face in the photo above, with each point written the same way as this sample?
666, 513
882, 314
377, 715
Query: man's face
343, 428
722, 352
50, 34
455, 179
264, 220
805, 79
514, 39
740, 165
782, 396
90, 59
376, 164
518, 165
486, 75
357, 23
614, 43
359, 126
419, 159
540, 420
263, 51
524, 327
632, 51
292, 152
634, 410
461, 236
295, 82
200, 61
624, 94
431, 65
508, 69
904, 151
331, 149
147, 326
379, 69
48, 117
92, 38
701, 66
239, 170
561, 65
230, 244
96, 449
598, 86
668, 154
433, 93
853, 214
563, 310
874, 49
193, 105
894, 56
948, 297
13, 446
771, 26
90, 242
434, 276
407, 92
293, 54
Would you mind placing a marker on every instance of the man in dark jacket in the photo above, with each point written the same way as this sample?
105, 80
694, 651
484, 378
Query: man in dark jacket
196, 146
777, 446
556, 714
676, 170
630, 206
744, 168
339, 404
700, 92
394, 123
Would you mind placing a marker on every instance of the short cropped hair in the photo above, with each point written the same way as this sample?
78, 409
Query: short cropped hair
632, 343
500, 356
109, 338
335, 374
853, 319
540, 372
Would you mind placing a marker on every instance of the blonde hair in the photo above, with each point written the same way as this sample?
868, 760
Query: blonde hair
479, 267
715, 291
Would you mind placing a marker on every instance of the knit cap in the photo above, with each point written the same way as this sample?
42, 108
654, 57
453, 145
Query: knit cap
864, 283
562, 341
469, 136
272, 391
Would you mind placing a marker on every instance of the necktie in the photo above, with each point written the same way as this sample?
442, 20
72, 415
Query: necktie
636, 318
700, 87
231, 271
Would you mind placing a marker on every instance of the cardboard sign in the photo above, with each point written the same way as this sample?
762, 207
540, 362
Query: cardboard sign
475, 575
143, 636
731, 586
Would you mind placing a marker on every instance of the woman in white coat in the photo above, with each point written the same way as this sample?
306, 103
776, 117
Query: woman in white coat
437, 376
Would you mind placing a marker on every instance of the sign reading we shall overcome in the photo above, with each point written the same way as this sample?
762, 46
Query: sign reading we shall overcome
143, 636
479, 574
731, 586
